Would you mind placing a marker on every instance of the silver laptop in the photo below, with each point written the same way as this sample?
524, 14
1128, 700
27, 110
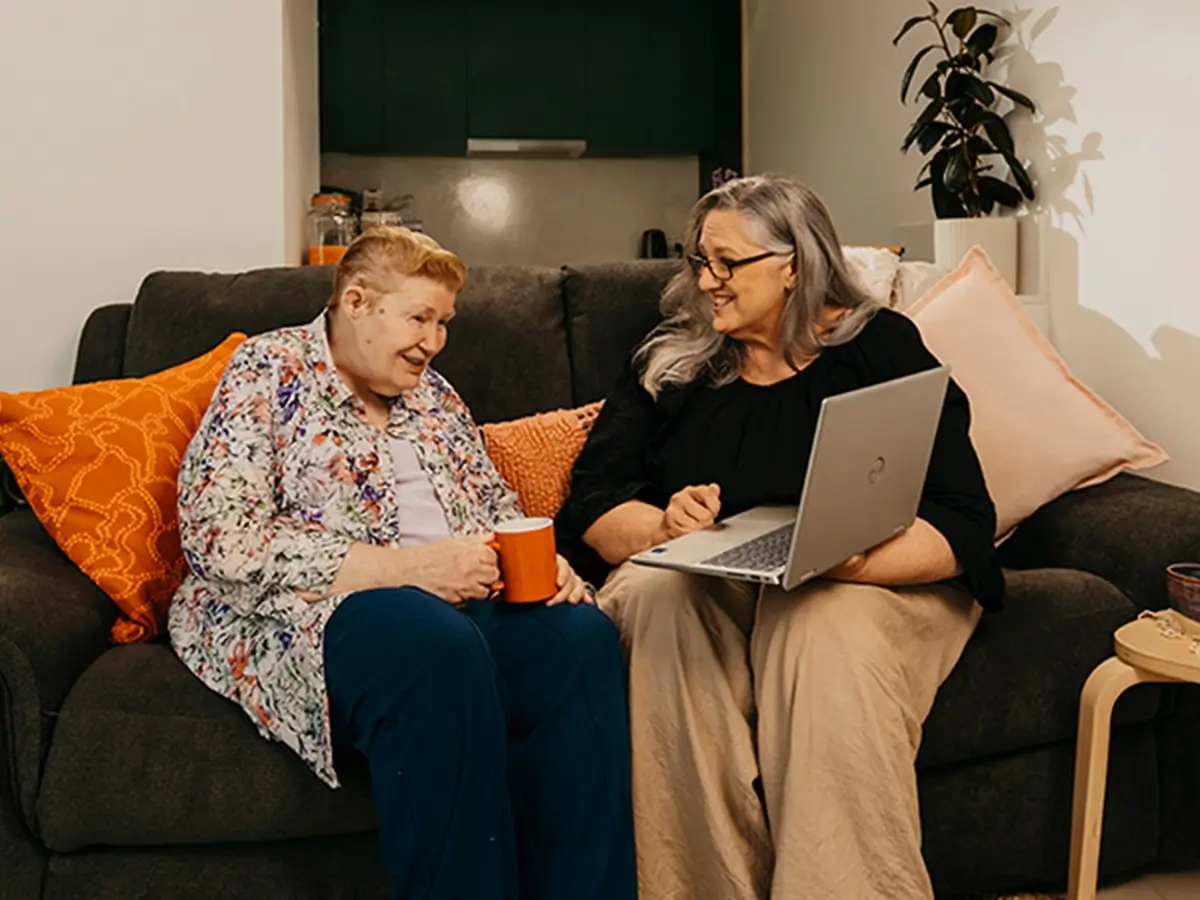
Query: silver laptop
866, 472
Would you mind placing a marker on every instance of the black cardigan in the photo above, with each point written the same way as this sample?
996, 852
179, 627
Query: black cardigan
745, 438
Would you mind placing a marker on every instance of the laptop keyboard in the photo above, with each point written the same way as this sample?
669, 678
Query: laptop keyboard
763, 554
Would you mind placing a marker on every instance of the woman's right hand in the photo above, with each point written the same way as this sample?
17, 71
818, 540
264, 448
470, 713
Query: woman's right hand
458, 569
691, 509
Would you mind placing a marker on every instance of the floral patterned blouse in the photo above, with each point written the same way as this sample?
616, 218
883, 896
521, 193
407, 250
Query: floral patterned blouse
281, 478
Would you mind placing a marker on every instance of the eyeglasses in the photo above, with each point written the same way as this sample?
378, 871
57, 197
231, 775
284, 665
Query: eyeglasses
723, 269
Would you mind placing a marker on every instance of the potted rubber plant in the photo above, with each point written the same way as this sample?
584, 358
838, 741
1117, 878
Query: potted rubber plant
964, 136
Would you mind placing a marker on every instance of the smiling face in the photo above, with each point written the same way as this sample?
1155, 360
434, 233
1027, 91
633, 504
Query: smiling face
751, 303
383, 342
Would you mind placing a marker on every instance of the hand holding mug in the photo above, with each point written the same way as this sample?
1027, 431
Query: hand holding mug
457, 570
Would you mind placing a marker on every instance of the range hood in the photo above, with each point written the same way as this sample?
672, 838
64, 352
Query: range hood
526, 148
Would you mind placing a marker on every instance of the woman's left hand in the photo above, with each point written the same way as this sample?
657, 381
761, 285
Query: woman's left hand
571, 588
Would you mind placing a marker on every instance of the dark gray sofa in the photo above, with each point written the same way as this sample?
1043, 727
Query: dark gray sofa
124, 778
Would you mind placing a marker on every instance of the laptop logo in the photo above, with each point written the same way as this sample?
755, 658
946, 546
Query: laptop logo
876, 471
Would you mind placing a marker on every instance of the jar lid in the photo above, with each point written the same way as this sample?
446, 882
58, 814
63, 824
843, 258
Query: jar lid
330, 198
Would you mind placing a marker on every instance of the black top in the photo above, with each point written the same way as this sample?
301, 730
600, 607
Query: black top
744, 438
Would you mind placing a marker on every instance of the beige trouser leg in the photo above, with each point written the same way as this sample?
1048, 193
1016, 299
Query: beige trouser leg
841, 676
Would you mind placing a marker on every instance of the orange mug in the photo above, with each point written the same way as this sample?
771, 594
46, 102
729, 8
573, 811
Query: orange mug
528, 560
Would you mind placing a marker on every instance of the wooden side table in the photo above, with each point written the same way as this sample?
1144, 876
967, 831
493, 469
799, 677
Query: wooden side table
1158, 648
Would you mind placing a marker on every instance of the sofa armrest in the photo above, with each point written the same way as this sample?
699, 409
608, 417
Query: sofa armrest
54, 622
1127, 531
101, 352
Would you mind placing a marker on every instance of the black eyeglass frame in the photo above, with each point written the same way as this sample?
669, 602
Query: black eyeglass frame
695, 260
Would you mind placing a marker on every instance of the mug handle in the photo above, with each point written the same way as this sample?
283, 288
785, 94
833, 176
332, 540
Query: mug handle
498, 587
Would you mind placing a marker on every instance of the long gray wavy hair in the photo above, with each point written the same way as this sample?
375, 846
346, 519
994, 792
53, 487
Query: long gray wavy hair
785, 217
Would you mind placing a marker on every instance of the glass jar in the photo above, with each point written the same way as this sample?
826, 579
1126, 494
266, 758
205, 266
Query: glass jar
381, 218
331, 228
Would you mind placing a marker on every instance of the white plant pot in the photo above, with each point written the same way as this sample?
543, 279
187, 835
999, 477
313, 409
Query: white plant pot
954, 238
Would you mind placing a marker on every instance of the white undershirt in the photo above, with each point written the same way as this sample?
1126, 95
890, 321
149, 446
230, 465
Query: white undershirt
422, 519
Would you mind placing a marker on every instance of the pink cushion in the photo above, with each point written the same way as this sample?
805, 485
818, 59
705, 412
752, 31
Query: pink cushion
1039, 432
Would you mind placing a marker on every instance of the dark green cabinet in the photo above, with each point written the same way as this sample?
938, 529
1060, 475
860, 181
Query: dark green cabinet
393, 77
649, 77
351, 57
425, 77
525, 65
631, 77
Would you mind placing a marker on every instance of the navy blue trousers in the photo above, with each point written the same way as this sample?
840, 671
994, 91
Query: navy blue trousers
497, 738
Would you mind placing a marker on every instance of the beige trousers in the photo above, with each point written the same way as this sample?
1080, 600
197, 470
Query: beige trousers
774, 737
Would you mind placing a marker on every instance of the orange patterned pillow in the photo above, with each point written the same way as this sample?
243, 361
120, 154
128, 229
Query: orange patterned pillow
98, 465
536, 454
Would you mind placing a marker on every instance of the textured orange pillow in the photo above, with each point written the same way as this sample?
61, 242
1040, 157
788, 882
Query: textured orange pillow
536, 454
98, 465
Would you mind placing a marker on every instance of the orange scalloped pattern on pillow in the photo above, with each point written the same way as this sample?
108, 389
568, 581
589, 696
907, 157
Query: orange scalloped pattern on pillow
536, 454
98, 464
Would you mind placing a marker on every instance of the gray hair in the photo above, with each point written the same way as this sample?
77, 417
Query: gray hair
784, 217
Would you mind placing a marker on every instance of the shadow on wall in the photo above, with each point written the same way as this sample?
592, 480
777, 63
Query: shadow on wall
1146, 387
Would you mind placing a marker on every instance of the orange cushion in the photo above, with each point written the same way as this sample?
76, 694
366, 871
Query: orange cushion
536, 454
98, 464
1038, 430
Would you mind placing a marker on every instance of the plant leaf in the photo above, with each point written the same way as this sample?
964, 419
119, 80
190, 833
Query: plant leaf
932, 134
963, 85
999, 191
994, 15
973, 203
1020, 176
946, 204
962, 20
956, 172
909, 26
911, 70
1015, 96
978, 147
923, 183
998, 133
982, 40
978, 89
933, 7
968, 112
931, 112
932, 88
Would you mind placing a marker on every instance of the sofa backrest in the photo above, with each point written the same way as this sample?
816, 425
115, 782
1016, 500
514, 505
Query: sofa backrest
524, 339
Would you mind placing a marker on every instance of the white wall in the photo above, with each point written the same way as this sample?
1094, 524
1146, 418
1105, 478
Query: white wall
1113, 151
532, 211
137, 135
823, 100
301, 122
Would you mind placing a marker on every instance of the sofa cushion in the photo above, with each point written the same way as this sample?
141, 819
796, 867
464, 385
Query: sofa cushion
145, 754
507, 353
610, 308
179, 315
1017, 685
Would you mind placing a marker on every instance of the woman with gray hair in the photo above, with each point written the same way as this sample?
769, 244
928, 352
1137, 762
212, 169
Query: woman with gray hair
774, 733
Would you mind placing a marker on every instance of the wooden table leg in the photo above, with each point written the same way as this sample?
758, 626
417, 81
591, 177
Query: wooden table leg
1107, 683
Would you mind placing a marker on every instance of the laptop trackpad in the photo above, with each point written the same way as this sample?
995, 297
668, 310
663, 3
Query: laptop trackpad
700, 545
